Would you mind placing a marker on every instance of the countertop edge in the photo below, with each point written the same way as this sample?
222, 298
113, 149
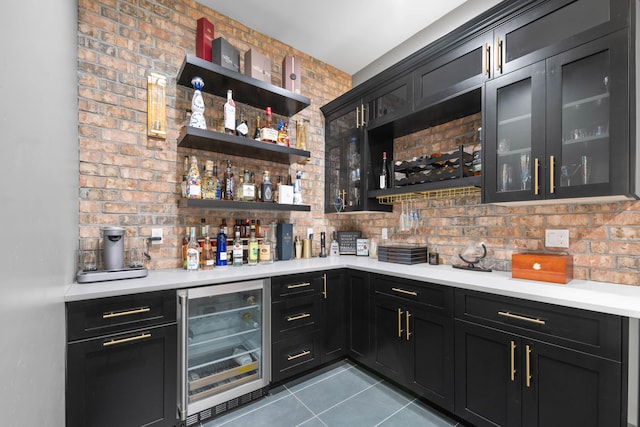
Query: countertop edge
623, 300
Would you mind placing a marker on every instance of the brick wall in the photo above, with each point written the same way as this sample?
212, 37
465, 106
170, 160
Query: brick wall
131, 180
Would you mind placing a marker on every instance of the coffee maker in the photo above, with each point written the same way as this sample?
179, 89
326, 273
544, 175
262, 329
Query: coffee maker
113, 258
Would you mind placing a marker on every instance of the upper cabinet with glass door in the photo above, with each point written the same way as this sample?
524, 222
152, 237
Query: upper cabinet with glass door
560, 128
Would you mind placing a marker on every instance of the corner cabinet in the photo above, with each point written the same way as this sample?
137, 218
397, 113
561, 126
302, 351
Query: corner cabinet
250, 91
559, 128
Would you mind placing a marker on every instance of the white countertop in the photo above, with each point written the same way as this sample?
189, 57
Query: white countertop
597, 296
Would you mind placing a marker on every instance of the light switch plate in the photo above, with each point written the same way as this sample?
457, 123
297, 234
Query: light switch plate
556, 238
385, 233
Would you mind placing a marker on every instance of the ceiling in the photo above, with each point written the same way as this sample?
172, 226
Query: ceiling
347, 34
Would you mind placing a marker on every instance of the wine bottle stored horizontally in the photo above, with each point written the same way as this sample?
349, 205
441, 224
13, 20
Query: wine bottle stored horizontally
385, 176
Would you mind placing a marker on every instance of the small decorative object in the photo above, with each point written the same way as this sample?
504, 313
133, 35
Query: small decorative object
347, 242
472, 255
197, 105
291, 74
297, 189
362, 247
156, 105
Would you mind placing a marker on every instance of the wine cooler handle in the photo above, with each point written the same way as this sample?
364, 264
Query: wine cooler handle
182, 354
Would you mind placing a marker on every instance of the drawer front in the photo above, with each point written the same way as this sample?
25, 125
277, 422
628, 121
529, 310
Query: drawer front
295, 316
295, 285
436, 298
104, 316
295, 355
594, 333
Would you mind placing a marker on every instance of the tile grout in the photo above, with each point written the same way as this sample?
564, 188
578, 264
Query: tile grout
394, 413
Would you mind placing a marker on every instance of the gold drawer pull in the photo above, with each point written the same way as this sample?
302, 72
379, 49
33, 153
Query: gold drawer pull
298, 317
113, 314
524, 318
299, 285
404, 291
528, 366
407, 316
513, 361
125, 340
400, 330
295, 356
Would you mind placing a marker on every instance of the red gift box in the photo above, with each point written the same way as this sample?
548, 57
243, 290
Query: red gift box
204, 37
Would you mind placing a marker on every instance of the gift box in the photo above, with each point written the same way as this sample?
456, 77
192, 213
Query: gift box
257, 65
556, 268
204, 38
291, 78
284, 241
225, 55
285, 194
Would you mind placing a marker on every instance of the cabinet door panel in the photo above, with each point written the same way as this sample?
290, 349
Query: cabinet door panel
334, 316
432, 361
128, 384
570, 388
390, 102
485, 394
360, 318
390, 346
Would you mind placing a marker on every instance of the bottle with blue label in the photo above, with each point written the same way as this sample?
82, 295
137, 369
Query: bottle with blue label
221, 248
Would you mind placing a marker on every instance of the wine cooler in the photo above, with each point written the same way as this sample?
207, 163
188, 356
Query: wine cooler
224, 347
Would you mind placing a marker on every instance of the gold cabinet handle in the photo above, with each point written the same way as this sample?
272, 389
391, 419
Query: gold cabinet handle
324, 286
552, 183
295, 356
408, 315
519, 317
357, 117
487, 59
113, 314
404, 291
528, 366
536, 180
298, 317
499, 55
362, 122
125, 340
513, 361
400, 330
299, 285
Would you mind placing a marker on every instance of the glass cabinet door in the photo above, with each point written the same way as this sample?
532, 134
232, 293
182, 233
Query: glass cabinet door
224, 343
587, 140
343, 162
515, 127
390, 102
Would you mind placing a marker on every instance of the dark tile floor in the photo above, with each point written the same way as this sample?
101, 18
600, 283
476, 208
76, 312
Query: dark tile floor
340, 395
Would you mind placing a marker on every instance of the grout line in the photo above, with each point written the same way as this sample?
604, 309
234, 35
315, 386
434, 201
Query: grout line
408, 403
255, 409
339, 371
350, 397
308, 409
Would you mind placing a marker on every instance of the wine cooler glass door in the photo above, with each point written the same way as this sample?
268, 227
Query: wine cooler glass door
224, 343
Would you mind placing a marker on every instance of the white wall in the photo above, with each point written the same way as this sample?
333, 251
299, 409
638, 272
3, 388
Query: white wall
465, 12
38, 204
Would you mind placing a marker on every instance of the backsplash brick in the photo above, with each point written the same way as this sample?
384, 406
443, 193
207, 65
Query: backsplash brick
131, 180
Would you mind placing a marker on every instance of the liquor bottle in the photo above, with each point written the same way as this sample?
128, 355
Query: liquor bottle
185, 172
266, 254
185, 242
239, 196
268, 133
229, 184
276, 190
209, 182
204, 232
256, 134
193, 252
257, 225
217, 193
253, 247
194, 182
207, 255
249, 190
385, 177
230, 114
237, 249
221, 245
265, 188
283, 134
242, 129
297, 189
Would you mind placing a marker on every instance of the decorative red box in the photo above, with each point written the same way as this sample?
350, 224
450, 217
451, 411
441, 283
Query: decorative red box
204, 37
291, 78
543, 267
257, 65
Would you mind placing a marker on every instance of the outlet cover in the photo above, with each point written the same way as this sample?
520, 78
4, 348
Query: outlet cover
385, 233
156, 232
556, 238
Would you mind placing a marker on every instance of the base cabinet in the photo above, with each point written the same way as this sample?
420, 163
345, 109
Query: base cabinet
334, 316
508, 376
359, 320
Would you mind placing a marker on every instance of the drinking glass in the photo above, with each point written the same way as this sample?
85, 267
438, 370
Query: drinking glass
525, 176
88, 254
586, 166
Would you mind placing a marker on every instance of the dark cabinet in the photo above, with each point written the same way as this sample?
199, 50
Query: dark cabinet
390, 101
334, 315
520, 363
559, 128
359, 318
413, 337
121, 361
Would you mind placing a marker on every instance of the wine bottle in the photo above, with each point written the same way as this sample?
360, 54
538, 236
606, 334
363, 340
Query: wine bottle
229, 182
230, 114
385, 176
241, 126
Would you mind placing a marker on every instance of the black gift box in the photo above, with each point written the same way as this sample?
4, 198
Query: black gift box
225, 55
284, 241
